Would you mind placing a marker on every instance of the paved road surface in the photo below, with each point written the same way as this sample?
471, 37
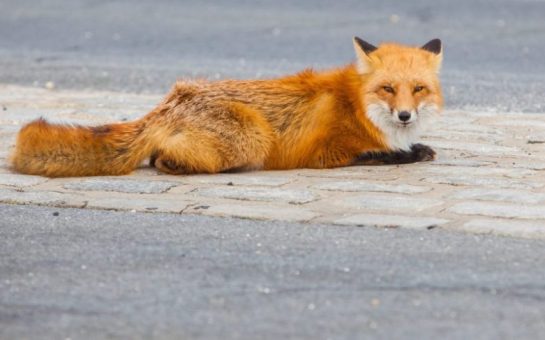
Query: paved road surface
83, 274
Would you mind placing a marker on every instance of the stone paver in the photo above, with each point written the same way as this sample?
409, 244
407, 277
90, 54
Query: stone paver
485, 171
500, 210
502, 195
121, 185
370, 186
49, 198
387, 202
527, 229
483, 181
391, 221
489, 176
267, 179
15, 180
255, 211
259, 194
151, 204
477, 148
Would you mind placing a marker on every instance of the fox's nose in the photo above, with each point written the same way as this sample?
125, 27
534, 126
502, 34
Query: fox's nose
404, 116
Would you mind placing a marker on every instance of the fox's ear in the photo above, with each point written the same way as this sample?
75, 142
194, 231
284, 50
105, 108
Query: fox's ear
363, 49
434, 46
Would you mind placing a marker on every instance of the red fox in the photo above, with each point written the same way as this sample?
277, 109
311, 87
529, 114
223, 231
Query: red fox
368, 112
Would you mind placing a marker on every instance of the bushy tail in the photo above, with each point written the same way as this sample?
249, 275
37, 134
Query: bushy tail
55, 150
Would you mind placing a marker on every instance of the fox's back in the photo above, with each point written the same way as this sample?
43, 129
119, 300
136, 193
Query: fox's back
303, 110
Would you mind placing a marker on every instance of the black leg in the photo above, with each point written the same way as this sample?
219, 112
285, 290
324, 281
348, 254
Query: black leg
157, 160
172, 167
152, 159
418, 153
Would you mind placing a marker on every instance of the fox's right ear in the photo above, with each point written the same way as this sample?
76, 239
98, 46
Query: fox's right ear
433, 46
363, 49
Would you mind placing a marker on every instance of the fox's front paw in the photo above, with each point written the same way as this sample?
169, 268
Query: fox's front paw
423, 153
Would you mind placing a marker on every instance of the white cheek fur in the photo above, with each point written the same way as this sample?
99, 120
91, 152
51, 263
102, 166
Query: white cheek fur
399, 137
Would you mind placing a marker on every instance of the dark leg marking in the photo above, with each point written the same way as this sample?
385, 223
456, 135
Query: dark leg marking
418, 153
153, 158
170, 166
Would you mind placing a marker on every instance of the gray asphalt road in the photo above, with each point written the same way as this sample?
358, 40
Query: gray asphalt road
493, 48
95, 274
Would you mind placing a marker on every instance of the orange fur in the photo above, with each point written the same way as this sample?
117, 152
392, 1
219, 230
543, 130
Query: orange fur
311, 119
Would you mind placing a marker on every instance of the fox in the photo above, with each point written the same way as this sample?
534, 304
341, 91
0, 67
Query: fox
369, 112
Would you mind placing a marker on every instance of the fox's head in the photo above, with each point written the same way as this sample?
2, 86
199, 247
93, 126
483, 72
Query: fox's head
401, 88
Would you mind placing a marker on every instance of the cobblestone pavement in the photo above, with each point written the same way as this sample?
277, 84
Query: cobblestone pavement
489, 176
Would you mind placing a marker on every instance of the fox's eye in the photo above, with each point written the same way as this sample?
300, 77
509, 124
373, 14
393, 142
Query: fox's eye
418, 88
388, 89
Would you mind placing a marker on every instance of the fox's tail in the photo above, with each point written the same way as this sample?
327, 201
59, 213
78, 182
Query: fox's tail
55, 150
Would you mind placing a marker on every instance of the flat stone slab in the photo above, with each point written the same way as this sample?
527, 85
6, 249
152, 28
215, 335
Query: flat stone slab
387, 202
365, 186
483, 181
267, 179
147, 204
489, 176
477, 149
259, 194
500, 210
256, 211
121, 185
16, 180
483, 171
502, 195
390, 221
49, 198
527, 229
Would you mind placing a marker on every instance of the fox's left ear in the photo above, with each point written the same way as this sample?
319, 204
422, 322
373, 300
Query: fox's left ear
434, 46
363, 49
